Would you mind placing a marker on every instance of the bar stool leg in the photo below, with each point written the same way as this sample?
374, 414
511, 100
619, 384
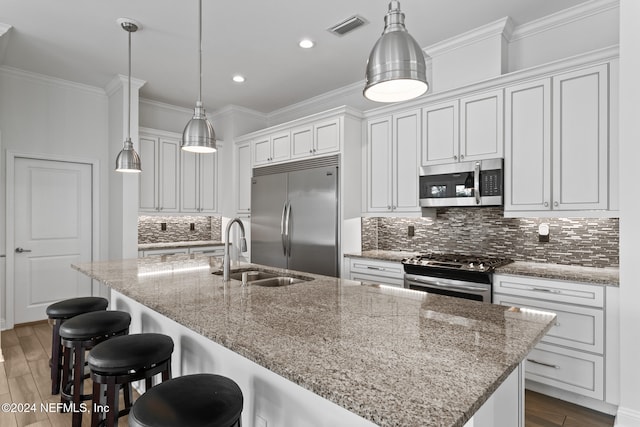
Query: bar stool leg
78, 384
66, 371
56, 357
112, 402
97, 401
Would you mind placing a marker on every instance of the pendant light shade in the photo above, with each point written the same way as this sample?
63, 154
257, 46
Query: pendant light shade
396, 70
128, 160
198, 136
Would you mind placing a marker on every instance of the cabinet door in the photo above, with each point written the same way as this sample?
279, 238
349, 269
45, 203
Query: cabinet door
301, 142
406, 140
168, 174
440, 142
528, 147
208, 176
580, 139
261, 151
281, 147
190, 182
481, 126
243, 168
379, 173
148, 194
326, 137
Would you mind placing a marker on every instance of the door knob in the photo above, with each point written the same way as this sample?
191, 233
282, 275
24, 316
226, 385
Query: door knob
20, 250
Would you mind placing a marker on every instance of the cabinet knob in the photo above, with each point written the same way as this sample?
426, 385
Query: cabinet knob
546, 204
314, 150
555, 204
310, 151
461, 156
455, 157
388, 207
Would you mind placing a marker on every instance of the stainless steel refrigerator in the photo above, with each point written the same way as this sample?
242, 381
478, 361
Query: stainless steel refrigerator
294, 216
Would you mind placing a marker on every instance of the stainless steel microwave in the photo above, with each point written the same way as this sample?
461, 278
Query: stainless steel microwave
477, 183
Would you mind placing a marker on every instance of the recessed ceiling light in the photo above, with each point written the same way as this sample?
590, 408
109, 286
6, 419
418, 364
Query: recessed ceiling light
306, 43
238, 78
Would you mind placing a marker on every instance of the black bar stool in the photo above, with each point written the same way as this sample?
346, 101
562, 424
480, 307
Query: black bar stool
200, 400
58, 313
118, 362
78, 334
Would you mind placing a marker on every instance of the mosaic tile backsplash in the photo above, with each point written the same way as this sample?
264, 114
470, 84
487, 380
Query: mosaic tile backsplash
178, 228
590, 242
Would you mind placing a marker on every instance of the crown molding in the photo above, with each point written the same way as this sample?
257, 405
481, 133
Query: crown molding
4, 28
29, 75
503, 27
166, 106
564, 17
232, 109
119, 81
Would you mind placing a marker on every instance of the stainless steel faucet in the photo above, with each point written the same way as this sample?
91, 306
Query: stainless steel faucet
243, 247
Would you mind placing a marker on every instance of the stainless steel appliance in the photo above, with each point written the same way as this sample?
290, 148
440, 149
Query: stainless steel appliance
462, 276
478, 183
294, 216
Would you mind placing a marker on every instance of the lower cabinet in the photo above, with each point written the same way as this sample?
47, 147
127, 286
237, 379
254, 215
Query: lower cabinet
217, 250
168, 251
376, 272
573, 360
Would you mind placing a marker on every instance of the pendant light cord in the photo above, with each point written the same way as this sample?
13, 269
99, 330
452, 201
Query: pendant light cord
200, 51
129, 93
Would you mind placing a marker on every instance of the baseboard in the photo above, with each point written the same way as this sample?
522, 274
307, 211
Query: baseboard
627, 418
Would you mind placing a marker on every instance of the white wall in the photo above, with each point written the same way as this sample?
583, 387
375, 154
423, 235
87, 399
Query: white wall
44, 116
629, 411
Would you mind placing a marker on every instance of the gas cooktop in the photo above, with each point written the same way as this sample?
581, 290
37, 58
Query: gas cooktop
456, 262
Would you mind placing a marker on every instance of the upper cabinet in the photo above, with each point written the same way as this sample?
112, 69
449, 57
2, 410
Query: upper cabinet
272, 148
319, 138
243, 178
557, 143
392, 163
199, 183
464, 129
159, 189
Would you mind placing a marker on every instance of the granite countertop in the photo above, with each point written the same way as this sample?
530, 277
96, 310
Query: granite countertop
575, 273
173, 245
364, 347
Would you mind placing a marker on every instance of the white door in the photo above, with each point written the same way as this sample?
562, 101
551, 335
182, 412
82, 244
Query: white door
53, 228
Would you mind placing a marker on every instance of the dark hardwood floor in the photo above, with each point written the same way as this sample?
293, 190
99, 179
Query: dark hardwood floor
24, 377
545, 411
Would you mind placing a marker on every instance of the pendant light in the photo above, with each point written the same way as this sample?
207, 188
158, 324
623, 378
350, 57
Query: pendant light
396, 69
128, 160
198, 135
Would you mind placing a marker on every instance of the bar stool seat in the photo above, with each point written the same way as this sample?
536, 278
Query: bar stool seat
59, 312
200, 400
116, 363
78, 334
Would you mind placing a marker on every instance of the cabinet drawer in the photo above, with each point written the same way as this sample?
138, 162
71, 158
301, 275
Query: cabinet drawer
570, 370
172, 251
377, 280
580, 328
208, 250
550, 290
378, 268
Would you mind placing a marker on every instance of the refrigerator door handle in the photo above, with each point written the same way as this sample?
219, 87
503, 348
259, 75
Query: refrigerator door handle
286, 230
282, 233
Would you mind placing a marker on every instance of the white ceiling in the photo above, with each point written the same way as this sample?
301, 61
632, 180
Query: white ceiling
80, 41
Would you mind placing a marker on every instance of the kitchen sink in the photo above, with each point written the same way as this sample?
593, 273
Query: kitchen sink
266, 278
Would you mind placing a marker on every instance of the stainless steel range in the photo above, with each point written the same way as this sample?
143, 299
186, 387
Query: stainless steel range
462, 276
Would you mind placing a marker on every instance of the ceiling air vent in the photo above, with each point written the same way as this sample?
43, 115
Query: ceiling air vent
347, 25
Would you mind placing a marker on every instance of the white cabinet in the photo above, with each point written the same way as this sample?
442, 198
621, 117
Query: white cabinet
376, 272
272, 148
465, 129
243, 178
392, 162
199, 180
319, 138
572, 356
217, 250
557, 143
160, 157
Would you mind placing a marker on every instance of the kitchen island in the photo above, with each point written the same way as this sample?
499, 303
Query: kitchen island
330, 352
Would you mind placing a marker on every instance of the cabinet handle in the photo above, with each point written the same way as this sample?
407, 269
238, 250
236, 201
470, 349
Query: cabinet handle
455, 157
551, 291
393, 208
310, 151
314, 150
546, 204
461, 156
375, 268
548, 365
388, 207
555, 204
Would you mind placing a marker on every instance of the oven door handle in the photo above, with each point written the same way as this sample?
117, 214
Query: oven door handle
441, 285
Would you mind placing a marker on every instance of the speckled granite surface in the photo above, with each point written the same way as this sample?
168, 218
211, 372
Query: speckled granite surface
393, 356
173, 245
575, 273
603, 276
